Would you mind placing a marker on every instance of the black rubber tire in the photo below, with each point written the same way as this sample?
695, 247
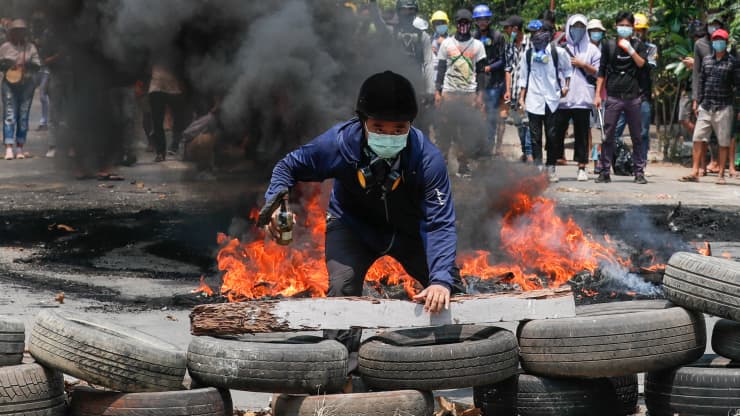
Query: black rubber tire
438, 358
705, 284
528, 395
310, 367
626, 389
31, 390
708, 387
403, 402
630, 306
612, 345
201, 402
12, 342
106, 354
726, 339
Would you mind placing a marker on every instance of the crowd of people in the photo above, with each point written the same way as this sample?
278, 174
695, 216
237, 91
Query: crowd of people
535, 75
543, 80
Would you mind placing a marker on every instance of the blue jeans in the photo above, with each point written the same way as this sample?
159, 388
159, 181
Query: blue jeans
491, 98
522, 127
16, 107
645, 116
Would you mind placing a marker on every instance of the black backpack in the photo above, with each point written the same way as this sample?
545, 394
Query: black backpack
553, 48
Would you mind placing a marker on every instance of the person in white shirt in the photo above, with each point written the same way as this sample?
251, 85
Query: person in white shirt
542, 66
460, 68
19, 62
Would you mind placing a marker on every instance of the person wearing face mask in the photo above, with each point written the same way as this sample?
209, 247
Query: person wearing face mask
718, 87
646, 85
513, 27
577, 105
391, 193
460, 80
619, 68
495, 45
440, 23
415, 43
596, 33
541, 89
702, 49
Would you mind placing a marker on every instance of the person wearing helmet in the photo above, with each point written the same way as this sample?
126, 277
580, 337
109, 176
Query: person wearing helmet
415, 42
460, 72
621, 60
645, 80
513, 27
541, 89
19, 61
440, 24
495, 78
577, 105
391, 193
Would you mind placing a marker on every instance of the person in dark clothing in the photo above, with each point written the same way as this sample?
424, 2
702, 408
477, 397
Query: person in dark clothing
391, 194
620, 64
495, 77
715, 97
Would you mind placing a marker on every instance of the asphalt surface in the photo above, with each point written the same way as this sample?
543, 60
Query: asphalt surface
134, 286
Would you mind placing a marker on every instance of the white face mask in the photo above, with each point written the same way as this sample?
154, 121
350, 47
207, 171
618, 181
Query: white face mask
386, 146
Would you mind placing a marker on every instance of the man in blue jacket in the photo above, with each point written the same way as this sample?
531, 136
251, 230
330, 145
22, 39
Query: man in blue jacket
391, 193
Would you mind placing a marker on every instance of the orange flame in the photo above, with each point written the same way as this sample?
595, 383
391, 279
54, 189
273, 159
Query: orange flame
203, 288
705, 250
536, 243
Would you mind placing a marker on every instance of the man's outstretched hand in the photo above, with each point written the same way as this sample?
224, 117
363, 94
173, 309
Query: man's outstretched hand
435, 297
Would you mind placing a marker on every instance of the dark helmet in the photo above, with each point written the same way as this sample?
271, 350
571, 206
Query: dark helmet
387, 96
407, 4
463, 14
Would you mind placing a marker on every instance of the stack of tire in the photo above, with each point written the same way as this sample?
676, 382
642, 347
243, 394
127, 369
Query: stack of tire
711, 385
26, 388
141, 375
587, 364
401, 368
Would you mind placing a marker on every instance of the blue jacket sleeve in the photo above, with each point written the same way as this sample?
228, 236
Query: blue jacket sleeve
311, 162
438, 221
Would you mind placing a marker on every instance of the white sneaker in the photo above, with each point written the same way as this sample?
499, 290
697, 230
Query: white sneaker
552, 175
582, 175
9, 155
51, 153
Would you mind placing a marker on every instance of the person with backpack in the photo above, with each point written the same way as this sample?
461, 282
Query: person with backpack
493, 90
619, 68
646, 85
577, 105
414, 42
460, 78
541, 89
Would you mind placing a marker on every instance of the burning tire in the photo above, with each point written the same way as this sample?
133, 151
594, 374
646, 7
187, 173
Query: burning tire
708, 387
295, 365
612, 345
403, 402
438, 358
202, 402
705, 284
12, 342
30, 389
106, 354
726, 339
528, 395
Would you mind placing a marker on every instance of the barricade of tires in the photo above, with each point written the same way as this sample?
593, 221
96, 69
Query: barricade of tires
587, 364
401, 367
142, 375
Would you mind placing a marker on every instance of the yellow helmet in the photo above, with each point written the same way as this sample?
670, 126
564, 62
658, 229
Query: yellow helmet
440, 15
641, 21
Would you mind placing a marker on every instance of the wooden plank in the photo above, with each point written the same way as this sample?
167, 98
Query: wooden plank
358, 312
